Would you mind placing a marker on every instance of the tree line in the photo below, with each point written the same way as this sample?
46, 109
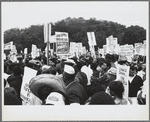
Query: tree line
77, 29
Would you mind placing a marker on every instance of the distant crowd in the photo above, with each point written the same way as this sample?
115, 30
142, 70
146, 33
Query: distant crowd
83, 80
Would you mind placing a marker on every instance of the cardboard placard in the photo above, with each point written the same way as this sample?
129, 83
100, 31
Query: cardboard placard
25, 91
123, 76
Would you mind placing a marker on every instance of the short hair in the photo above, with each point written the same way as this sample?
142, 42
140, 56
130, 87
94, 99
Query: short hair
117, 87
101, 98
17, 70
52, 70
108, 64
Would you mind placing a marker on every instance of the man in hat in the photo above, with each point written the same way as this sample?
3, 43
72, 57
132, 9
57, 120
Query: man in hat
74, 90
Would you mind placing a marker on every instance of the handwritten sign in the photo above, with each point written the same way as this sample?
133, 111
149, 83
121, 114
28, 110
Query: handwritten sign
25, 91
62, 43
123, 76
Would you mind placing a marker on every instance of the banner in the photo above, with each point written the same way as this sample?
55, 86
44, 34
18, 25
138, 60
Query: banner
8, 46
123, 76
112, 45
91, 38
25, 93
62, 43
127, 50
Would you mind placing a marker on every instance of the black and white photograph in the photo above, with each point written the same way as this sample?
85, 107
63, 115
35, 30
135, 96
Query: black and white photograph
75, 60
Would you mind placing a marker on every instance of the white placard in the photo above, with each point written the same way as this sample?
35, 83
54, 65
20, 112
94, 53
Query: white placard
123, 76
34, 51
25, 91
91, 38
8, 46
137, 47
112, 45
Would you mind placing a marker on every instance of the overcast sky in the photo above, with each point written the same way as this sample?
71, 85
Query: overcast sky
24, 14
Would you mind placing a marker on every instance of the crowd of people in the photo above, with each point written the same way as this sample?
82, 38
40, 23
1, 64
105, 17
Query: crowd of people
82, 80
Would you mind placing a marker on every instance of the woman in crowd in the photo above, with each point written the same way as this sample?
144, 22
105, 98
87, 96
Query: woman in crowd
116, 90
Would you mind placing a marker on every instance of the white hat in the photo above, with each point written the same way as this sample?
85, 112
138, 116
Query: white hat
55, 98
69, 69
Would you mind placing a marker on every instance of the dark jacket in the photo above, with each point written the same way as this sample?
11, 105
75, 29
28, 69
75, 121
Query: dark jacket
15, 82
135, 86
76, 93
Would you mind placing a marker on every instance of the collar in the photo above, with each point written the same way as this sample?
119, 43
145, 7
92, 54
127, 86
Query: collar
70, 84
131, 78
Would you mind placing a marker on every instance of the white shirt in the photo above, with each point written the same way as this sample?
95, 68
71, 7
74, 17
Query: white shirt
88, 71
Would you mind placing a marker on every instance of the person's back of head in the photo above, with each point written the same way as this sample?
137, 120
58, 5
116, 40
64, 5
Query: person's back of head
101, 98
17, 70
11, 99
52, 70
116, 89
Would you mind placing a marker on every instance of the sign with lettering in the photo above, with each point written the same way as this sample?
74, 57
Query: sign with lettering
25, 93
123, 76
111, 45
62, 43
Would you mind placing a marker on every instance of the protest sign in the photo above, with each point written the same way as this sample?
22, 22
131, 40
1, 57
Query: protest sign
91, 38
25, 93
34, 51
127, 51
137, 47
8, 46
123, 76
62, 43
62, 48
111, 45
